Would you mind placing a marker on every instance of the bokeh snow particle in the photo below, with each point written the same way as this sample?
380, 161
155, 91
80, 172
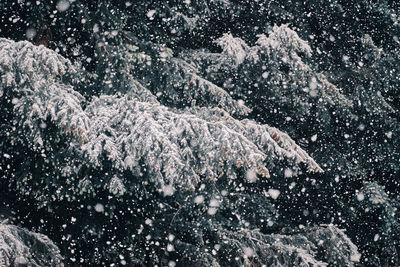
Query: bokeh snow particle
274, 193
212, 211
376, 237
288, 173
170, 247
30, 33
314, 138
199, 199
251, 176
63, 5
214, 203
150, 14
99, 207
360, 196
168, 190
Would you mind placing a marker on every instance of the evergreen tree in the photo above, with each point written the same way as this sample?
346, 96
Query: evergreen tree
152, 143
19, 247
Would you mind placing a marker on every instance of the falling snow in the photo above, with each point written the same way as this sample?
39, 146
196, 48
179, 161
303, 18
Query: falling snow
199, 133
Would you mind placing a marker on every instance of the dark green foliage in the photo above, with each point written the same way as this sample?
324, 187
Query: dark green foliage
327, 74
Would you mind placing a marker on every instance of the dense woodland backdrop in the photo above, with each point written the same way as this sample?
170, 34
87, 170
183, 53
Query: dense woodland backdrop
199, 133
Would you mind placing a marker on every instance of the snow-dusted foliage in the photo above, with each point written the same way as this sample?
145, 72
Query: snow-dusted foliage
337, 248
177, 82
32, 83
173, 148
180, 148
20, 247
372, 201
278, 78
234, 48
313, 246
177, 148
273, 142
302, 248
202, 133
275, 71
283, 47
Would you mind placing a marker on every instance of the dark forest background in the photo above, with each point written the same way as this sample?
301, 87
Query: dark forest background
325, 72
